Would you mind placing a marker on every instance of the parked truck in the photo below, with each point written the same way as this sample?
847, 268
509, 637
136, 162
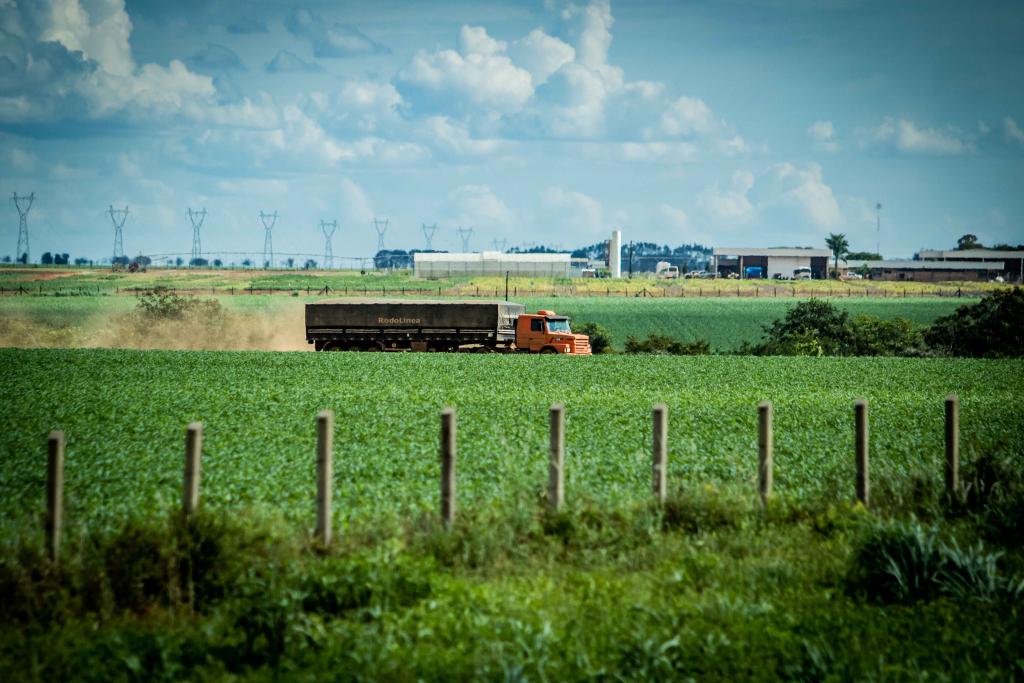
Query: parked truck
408, 325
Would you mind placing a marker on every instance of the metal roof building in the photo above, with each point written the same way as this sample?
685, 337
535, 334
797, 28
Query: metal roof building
1013, 261
772, 261
926, 271
436, 265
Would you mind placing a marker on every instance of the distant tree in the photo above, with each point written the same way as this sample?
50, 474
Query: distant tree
217, 263
839, 245
178, 261
310, 264
46, 259
247, 263
987, 329
1009, 247
290, 261
862, 256
143, 260
6, 259
198, 262
392, 258
61, 259
23, 259
968, 241
80, 261
119, 260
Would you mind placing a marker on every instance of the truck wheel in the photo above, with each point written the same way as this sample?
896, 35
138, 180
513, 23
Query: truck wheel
548, 349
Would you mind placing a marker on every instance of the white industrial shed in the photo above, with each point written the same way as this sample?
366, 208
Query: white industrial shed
773, 260
435, 265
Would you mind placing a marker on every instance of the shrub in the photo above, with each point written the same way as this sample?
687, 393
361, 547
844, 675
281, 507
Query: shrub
600, 338
994, 494
987, 329
161, 303
905, 563
656, 343
874, 336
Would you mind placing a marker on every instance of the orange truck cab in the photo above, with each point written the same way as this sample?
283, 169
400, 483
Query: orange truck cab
545, 332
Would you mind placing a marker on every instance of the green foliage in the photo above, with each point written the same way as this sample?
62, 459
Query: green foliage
659, 344
818, 328
600, 338
907, 562
991, 328
161, 303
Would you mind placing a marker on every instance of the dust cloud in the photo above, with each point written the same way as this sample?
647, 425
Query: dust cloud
277, 327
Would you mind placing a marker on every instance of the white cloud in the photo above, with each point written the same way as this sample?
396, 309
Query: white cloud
905, 136
1012, 131
729, 207
453, 138
356, 207
674, 217
591, 26
477, 206
480, 75
803, 192
98, 28
688, 116
823, 134
576, 210
21, 160
671, 152
541, 54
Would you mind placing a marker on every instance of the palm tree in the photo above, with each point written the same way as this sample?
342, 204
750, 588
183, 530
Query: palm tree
839, 246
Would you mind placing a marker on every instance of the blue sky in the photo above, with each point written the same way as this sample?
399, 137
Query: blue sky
732, 123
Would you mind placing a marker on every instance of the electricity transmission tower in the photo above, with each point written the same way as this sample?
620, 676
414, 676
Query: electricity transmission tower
428, 233
878, 228
465, 234
197, 218
23, 204
268, 220
381, 226
328, 228
499, 245
118, 217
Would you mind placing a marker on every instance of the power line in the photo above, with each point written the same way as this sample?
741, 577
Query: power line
465, 234
118, 217
381, 226
428, 233
23, 204
328, 228
197, 218
268, 220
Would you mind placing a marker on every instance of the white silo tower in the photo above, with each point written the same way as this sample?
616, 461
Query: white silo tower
615, 254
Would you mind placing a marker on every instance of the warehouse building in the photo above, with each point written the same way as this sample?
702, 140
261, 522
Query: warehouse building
438, 265
1013, 261
772, 262
925, 271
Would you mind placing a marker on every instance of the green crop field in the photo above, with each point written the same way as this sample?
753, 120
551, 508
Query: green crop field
124, 413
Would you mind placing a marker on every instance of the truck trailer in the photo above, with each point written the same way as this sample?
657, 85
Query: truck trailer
426, 325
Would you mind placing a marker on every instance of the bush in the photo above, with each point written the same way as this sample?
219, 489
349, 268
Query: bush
994, 495
817, 328
656, 343
600, 338
162, 303
905, 563
987, 329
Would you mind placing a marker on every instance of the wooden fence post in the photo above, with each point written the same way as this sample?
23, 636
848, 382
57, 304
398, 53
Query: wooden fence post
952, 444
765, 451
556, 464
448, 450
324, 475
54, 493
193, 456
860, 412
659, 451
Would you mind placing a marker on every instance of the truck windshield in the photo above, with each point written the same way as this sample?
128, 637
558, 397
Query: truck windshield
558, 325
